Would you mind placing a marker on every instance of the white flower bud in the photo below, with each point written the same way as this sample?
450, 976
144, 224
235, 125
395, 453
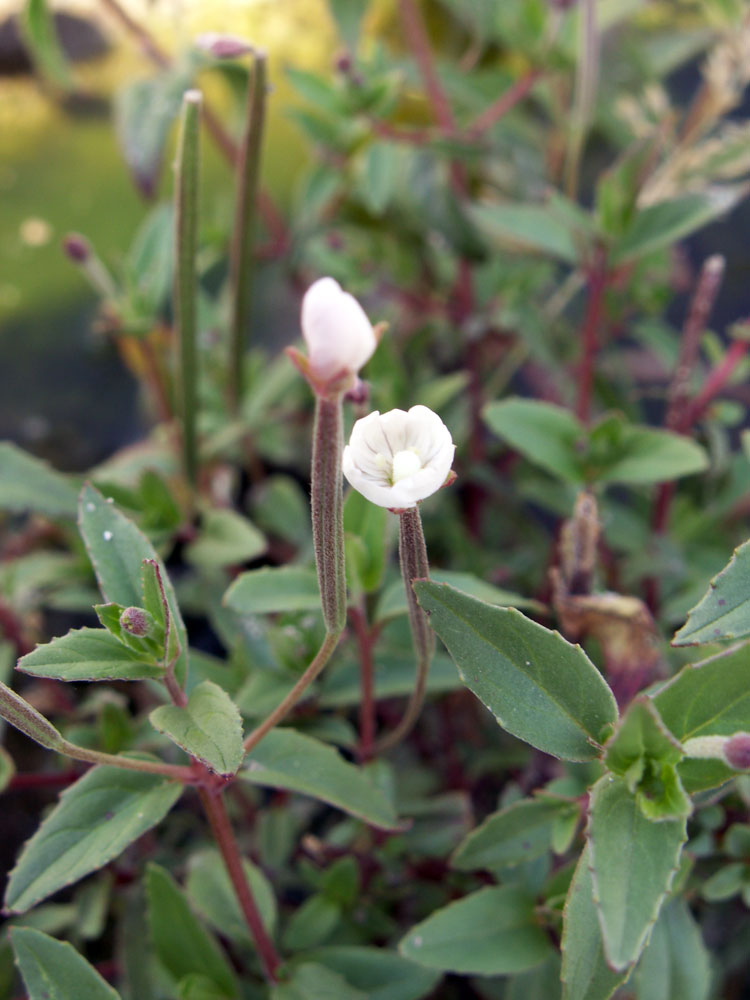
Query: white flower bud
339, 336
396, 459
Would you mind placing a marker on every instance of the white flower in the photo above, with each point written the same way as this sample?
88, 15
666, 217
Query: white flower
339, 336
397, 458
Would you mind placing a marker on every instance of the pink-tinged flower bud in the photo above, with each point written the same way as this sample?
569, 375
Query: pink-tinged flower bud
737, 751
396, 459
340, 338
136, 621
222, 46
76, 247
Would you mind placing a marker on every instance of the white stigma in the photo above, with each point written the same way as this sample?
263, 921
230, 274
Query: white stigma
405, 463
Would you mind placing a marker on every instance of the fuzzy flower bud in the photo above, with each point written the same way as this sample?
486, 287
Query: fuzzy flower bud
398, 458
136, 621
340, 338
737, 751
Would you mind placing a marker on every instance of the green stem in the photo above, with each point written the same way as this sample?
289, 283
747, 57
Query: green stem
186, 235
243, 237
321, 658
328, 510
184, 774
414, 566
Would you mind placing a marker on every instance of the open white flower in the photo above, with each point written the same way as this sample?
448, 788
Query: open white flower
339, 336
396, 459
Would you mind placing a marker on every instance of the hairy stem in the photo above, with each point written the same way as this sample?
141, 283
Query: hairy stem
243, 237
414, 566
328, 510
287, 704
186, 291
216, 812
184, 774
367, 706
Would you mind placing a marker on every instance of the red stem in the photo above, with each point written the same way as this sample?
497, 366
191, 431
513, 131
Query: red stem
597, 284
367, 706
713, 385
416, 32
215, 809
515, 93
43, 779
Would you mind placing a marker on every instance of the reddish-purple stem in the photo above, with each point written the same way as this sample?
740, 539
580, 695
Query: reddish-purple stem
491, 115
597, 284
367, 704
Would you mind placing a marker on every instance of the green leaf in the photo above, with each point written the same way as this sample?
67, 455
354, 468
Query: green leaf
312, 923
150, 270
118, 550
380, 174
7, 768
342, 685
528, 227
288, 759
365, 526
659, 226
676, 965
710, 698
492, 932
88, 654
724, 612
624, 453
226, 539
614, 451
726, 882
348, 15
645, 753
521, 832
380, 974
538, 686
268, 590
53, 970
94, 821
182, 944
144, 113
196, 986
209, 727
29, 484
585, 972
210, 892
392, 603
549, 436
19, 713
40, 34
633, 861
315, 982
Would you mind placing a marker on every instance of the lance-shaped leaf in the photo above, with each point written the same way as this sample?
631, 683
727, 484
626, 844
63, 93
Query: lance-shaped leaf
633, 862
209, 727
117, 550
53, 970
270, 589
676, 964
310, 981
709, 698
19, 713
88, 654
492, 932
724, 612
29, 484
645, 753
288, 759
538, 686
95, 819
379, 973
585, 973
210, 892
521, 832
181, 942
40, 34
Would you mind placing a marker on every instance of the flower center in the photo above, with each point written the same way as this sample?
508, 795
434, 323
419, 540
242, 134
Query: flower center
405, 463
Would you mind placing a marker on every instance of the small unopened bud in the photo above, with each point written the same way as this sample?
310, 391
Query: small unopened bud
737, 751
77, 248
223, 46
136, 621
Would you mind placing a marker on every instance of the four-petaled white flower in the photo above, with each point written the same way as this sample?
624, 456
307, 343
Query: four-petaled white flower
396, 459
340, 338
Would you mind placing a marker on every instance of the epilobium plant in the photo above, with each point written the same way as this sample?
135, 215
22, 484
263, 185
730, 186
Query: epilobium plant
291, 771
